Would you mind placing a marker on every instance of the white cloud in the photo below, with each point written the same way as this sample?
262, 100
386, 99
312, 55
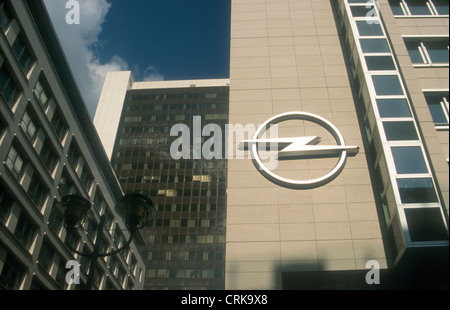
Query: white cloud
79, 41
151, 74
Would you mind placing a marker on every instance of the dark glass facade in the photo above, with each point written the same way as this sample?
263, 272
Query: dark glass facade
185, 242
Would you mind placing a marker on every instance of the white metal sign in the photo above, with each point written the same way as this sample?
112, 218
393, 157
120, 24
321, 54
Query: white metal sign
300, 148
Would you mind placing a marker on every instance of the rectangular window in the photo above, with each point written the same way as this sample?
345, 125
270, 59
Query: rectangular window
398, 131
369, 29
397, 7
59, 126
428, 50
46, 254
426, 224
41, 93
12, 274
417, 190
438, 104
387, 85
48, 156
37, 191
25, 230
28, 126
23, 54
65, 185
56, 218
73, 154
8, 87
441, 6
6, 203
393, 108
375, 46
380, 63
363, 11
5, 16
14, 161
419, 7
409, 160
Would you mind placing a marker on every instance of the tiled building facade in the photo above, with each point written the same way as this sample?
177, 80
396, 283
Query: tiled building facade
49, 148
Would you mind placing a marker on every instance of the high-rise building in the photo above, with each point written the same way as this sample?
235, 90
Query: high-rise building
186, 241
49, 148
359, 193
377, 70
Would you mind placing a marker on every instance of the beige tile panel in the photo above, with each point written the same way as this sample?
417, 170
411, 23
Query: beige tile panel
253, 252
252, 196
369, 249
365, 230
253, 214
298, 251
296, 213
335, 249
333, 231
297, 232
330, 212
253, 232
253, 280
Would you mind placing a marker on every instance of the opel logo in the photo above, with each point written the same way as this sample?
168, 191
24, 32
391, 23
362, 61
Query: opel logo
296, 148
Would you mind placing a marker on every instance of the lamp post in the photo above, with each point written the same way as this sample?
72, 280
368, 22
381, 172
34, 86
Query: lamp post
136, 208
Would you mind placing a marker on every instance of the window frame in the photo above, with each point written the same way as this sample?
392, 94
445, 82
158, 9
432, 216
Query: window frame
444, 106
407, 11
424, 51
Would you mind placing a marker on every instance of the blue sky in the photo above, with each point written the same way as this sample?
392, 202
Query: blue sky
155, 39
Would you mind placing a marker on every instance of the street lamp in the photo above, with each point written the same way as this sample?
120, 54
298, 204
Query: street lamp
136, 208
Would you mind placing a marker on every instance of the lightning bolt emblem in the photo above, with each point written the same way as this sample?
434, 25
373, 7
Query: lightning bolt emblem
300, 147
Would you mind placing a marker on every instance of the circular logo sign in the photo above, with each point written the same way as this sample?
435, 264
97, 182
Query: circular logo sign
301, 147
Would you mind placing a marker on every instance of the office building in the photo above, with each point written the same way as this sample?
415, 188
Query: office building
49, 148
185, 244
359, 91
378, 71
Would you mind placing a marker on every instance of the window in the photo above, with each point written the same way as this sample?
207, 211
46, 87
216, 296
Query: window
65, 185
5, 16
85, 175
397, 131
375, 46
380, 63
73, 154
8, 87
25, 230
59, 125
14, 162
363, 11
441, 6
48, 156
45, 258
37, 191
387, 85
22, 53
393, 108
56, 218
28, 126
40, 91
426, 224
12, 274
397, 7
409, 160
428, 50
439, 107
417, 190
419, 7
6, 203
369, 29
